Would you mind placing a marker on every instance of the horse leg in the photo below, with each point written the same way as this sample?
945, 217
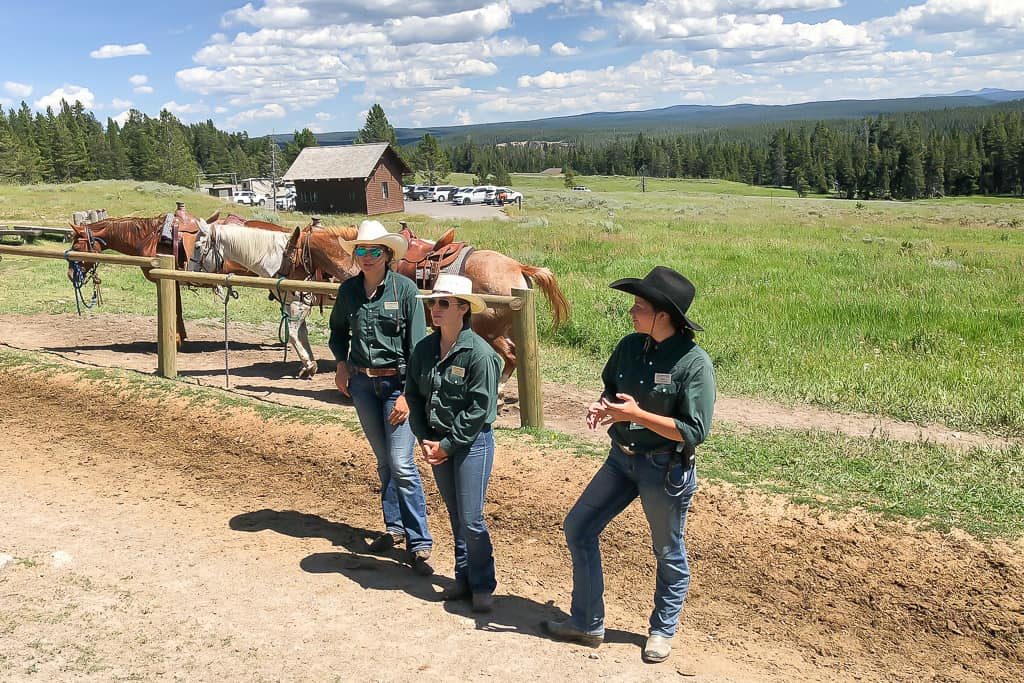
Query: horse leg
181, 336
298, 336
507, 350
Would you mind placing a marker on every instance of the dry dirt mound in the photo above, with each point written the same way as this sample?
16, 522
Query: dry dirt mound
779, 591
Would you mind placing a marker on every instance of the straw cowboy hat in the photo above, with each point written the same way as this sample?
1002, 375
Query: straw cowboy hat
665, 287
458, 287
373, 232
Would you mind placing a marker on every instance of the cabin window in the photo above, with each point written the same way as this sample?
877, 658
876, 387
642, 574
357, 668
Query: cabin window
384, 189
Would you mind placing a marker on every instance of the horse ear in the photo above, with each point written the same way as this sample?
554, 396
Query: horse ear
294, 239
214, 218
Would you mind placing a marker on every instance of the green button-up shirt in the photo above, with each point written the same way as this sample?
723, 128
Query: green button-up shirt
674, 378
452, 398
378, 331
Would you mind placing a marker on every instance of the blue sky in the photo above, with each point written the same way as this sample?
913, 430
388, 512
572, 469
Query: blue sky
277, 65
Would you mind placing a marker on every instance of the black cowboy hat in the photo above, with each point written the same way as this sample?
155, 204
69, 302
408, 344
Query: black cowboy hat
665, 287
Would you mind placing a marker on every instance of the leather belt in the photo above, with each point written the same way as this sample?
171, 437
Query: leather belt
376, 372
635, 452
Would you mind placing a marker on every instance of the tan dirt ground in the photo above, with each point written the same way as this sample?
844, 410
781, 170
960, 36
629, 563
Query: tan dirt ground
174, 540
257, 370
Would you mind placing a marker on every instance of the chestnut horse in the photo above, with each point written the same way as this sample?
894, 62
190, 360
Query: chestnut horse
496, 274
136, 236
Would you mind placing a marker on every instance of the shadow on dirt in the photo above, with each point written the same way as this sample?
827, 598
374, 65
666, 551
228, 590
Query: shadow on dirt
390, 571
149, 347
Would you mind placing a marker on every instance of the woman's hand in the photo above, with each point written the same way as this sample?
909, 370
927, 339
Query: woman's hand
626, 411
400, 412
341, 378
595, 413
433, 453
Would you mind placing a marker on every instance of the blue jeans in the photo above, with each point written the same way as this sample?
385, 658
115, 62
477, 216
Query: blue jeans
620, 480
462, 481
401, 491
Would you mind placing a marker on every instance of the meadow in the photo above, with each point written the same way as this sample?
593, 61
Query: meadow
911, 310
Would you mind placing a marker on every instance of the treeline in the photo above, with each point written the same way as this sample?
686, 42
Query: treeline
902, 157
71, 145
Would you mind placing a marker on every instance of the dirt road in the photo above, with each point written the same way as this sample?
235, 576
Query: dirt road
168, 539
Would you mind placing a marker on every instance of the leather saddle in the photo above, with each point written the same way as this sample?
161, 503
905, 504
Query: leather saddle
179, 240
424, 261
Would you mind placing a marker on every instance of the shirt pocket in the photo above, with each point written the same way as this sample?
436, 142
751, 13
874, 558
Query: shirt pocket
389, 323
662, 398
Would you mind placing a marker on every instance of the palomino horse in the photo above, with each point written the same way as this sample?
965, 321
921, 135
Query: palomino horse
173, 234
492, 273
265, 249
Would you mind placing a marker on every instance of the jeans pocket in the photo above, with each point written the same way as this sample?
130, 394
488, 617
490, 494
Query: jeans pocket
659, 460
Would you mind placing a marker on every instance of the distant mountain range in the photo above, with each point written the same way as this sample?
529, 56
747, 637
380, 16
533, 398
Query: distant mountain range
685, 117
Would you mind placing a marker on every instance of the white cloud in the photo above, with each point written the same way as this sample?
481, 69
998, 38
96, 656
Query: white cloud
463, 118
6, 102
592, 34
185, 110
68, 93
138, 79
17, 89
267, 111
451, 28
323, 116
121, 118
143, 90
560, 49
111, 51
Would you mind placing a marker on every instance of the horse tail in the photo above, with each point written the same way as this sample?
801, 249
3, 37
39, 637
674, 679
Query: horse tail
545, 279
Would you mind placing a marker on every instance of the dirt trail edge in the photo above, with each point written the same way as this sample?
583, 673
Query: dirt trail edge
171, 539
257, 370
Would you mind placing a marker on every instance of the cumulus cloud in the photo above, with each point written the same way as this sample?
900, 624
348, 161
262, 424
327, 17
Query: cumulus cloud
118, 103
451, 28
121, 118
267, 111
186, 110
138, 79
68, 93
17, 89
113, 50
560, 49
143, 90
592, 34
323, 116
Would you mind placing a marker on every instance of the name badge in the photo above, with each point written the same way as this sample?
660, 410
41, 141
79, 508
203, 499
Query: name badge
390, 305
458, 372
663, 378
634, 426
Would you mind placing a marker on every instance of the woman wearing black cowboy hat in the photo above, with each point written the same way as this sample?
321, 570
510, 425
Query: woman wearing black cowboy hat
659, 394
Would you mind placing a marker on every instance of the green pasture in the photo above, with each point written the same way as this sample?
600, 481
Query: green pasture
911, 310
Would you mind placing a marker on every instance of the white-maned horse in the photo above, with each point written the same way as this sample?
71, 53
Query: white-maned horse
264, 252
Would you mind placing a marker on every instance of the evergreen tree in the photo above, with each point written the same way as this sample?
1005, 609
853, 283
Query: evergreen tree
377, 128
431, 162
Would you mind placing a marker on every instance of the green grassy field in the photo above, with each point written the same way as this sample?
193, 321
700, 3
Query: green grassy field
911, 310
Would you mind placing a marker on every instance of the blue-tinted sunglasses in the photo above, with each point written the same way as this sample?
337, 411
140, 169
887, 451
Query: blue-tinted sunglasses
374, 252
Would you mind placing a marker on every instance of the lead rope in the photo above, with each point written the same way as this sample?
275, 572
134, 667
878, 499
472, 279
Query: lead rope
229, 294
78, 280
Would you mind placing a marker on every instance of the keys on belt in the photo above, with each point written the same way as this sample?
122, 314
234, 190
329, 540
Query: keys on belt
376, 372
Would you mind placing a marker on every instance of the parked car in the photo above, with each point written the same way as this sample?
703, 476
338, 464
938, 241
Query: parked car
472, 195
507, 195
580, 188
419, 192
249, 197
443, 193
286, 201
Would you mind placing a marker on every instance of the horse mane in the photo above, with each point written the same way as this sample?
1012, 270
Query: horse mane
124, 229
245, 245
345, 232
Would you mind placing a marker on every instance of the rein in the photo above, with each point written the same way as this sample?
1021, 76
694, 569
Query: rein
79, 276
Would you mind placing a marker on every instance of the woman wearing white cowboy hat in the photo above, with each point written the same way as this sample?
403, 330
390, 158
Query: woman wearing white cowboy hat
375, 324
453, 399
658, 398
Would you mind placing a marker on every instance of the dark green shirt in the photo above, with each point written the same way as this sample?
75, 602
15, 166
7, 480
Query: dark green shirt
674, 378
452, 398
379, 331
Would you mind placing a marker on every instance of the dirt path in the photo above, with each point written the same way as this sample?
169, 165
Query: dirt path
168, 540
257, 370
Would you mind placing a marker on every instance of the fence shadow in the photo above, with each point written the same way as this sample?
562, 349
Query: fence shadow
149, 347
512, 613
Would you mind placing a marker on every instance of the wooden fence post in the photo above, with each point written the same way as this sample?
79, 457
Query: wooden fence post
524, 334
167, 319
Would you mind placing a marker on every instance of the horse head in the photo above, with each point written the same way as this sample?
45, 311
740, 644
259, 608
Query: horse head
88, 240
205, 258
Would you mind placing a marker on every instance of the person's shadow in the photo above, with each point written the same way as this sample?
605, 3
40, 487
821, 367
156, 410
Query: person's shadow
390, 571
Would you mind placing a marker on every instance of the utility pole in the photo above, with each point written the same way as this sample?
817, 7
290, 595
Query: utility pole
643, 178
273, 169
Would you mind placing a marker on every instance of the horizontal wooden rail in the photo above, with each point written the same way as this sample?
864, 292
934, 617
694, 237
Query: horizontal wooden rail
42, 252
272, 284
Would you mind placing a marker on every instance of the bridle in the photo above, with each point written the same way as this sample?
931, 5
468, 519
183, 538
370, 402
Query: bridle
81, 274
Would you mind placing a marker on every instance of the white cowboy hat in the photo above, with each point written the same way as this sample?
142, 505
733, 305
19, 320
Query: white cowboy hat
373, 232
458, 287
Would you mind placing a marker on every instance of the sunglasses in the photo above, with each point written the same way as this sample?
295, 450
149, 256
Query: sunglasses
443, 304
373, 252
